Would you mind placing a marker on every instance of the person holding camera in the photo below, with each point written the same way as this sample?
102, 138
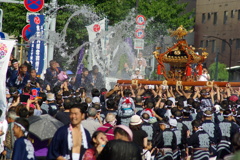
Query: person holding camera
205, 76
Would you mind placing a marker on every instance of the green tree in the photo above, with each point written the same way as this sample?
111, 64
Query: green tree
222, 72
14, 18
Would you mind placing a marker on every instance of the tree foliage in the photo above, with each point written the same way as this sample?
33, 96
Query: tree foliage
222, 72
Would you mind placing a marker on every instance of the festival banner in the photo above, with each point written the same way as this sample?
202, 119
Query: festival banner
6, 47
36, 50
95, 29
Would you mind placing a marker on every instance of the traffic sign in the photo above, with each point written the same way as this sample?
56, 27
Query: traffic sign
140, 26
139, 33
30, 13
33, 5
26, 32
139, 44
140, 20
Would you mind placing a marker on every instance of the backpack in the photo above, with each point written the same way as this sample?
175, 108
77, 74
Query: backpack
125, 107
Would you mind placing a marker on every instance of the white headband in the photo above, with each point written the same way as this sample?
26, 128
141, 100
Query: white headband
207, 115
19, 125
230, 114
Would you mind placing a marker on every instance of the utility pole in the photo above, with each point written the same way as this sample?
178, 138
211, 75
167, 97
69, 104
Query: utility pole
52, 28
1, 18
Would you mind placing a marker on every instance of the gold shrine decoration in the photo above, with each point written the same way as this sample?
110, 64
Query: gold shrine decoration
180, 32
184, 83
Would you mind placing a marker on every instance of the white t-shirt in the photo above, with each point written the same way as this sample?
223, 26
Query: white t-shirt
147, 155
204, 77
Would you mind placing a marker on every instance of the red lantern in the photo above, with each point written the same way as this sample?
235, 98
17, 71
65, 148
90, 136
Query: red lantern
188, 70
159, 72
199, 69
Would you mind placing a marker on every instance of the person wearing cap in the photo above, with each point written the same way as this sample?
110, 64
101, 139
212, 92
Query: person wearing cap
165, 140
173, 125
23, 148
139, 135
137, 74
122, 147
228, 129
213, 131
199, 142
107, 127
52, 106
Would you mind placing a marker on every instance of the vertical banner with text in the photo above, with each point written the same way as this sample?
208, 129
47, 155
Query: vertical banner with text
36, 50
6, 47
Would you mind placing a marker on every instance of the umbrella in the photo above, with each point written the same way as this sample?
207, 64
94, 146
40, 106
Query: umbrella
44, 126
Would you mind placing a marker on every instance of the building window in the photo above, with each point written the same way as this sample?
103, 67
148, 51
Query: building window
209, 16
232, 13
206, 43
203, 18
201, 43
237, 43
223, 45
225, 17
215, 18
238, 14
213, 46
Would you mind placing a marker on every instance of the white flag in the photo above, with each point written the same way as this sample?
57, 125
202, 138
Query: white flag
6, 47
95, 29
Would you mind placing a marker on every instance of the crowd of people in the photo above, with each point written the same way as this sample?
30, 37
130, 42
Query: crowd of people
124, 123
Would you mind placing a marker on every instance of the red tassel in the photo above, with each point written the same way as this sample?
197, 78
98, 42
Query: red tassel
199, 69
159, 72
188, 70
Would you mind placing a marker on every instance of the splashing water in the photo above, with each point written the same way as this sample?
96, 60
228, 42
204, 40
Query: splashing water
117, 40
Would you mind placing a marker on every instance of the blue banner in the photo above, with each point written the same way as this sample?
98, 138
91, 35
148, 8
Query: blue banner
36, 50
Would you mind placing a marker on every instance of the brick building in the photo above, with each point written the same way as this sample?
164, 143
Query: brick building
221, 20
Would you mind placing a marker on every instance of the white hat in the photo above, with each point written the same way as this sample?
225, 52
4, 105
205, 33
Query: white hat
137, 69
173, 122
135, 120
50, 97
96, 100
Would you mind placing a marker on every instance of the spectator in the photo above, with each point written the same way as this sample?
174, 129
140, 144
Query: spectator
64, 116
10, 139
137, 74
96, 78
23, 148
70, 140
99, 140
139, 135
121, 148
90, 124
51, 76
20, 79
82, 80
110, 122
